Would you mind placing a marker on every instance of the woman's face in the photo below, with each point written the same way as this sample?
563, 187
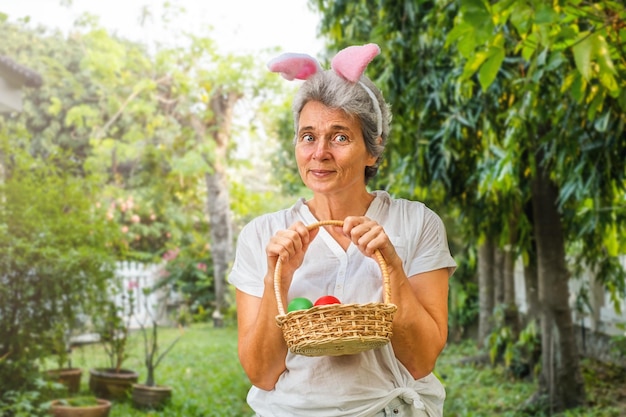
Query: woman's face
330, 150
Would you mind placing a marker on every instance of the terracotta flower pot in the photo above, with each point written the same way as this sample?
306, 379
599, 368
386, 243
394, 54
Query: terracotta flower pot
102, 409
146, 397
108, 384
70, 377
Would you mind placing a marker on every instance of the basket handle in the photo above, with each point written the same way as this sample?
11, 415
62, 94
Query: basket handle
379, 257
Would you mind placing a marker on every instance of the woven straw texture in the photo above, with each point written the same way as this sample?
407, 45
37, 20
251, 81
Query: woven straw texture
336, 329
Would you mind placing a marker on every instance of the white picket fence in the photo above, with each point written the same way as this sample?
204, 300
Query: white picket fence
600, 316
135, 279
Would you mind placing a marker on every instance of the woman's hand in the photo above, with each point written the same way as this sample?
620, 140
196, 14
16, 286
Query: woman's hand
290, 245
369, 236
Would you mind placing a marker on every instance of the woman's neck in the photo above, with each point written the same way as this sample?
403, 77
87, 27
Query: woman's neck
325, 207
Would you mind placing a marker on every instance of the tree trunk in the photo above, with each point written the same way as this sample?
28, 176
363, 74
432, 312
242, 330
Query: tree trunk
561, 377
498, 275
485, 289
508, 268
218, 200
511, 317
218, 204
531, 283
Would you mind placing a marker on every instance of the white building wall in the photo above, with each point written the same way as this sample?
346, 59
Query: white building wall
600, 315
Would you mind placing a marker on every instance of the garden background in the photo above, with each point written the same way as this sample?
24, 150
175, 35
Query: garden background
508, 121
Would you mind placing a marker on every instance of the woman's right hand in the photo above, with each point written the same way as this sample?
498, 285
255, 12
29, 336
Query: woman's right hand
290, 246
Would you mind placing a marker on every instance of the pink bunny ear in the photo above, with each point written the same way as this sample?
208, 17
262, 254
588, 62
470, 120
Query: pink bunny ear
294, 66
351, 62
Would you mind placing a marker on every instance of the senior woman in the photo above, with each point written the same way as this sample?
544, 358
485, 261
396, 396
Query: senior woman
342, 125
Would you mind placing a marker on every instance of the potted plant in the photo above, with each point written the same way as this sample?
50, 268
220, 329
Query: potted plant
84, 406
150, 394
114, 382
64, 373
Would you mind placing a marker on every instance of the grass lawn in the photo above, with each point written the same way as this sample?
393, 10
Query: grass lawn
204, 371
485, 390
202, 368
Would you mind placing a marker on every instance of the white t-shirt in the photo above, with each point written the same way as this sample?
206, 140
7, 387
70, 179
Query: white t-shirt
351, 385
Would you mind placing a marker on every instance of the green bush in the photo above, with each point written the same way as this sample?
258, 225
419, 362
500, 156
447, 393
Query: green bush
57, 253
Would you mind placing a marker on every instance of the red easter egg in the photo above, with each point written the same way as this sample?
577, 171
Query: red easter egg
327, 299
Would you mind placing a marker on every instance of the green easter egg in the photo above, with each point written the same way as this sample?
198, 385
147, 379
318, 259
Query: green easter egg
299, 303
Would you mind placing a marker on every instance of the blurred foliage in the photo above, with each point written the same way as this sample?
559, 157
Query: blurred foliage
103, 165
57, 254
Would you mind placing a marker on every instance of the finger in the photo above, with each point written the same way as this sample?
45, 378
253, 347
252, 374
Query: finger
367, 235
302, 231
363, 231
351, 222
283, 245
291, 245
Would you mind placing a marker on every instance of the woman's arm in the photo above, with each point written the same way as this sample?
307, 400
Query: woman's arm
262, 348
420, 325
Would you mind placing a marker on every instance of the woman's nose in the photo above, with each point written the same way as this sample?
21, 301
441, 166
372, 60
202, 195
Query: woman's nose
321, 149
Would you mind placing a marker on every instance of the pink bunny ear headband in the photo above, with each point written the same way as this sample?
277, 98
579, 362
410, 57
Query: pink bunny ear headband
349, 63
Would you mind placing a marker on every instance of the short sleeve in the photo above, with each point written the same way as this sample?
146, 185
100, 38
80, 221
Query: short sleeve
250, 264
432, 251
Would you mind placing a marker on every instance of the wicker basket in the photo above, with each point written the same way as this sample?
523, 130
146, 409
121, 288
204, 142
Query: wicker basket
336, 329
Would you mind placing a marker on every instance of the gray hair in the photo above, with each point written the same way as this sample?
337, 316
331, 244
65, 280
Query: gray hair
335, 92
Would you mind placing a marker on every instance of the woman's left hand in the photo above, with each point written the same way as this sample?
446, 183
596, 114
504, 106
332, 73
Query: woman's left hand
369, 236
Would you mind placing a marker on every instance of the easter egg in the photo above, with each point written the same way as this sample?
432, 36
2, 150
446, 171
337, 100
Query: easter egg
299, 303
327, 299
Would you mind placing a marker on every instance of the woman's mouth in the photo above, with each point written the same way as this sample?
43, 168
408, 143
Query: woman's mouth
321, 173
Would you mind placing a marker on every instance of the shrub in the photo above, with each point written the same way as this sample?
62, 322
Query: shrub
56, 256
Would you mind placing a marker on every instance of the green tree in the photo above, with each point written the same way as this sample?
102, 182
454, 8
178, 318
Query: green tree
56, 258
565, 114
508, 106
155, 128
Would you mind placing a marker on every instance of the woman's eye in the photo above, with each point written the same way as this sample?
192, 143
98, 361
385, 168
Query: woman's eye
341, 138
308, 138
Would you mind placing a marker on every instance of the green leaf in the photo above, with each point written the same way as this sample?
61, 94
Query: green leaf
611, 242
521, 18
190, 164
462, 35
489, 70
475, 12
602, 122
596, 103
575, 85
555, 60
473, 64
529, 46
582, 54
601, 52
55, 106
610, 83
545, 15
